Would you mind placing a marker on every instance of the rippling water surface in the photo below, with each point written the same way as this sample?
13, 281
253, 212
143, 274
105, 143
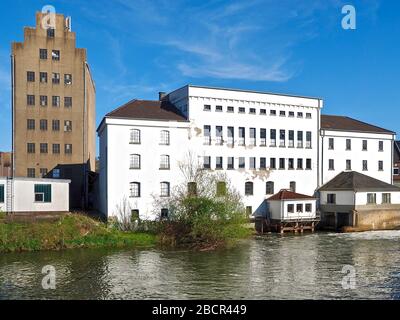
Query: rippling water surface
271, 267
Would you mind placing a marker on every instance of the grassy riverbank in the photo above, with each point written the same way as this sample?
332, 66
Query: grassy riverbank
72, 231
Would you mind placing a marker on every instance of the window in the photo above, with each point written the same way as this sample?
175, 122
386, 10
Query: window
207, 107
272, 113
56, 173
135, 215
263, 137
135, 136
43, 101
299, 207
30, 124
282, 138
43, 172
331, 198
67, 79
30, 76
281, 163
219, 163
396, 171
380, 165
290, 163
242, 136
30, 148
231, 109
218, 108
364, 145
242, 110
219, 134
51, 33
263, 112
252, 111
55, 125
348, 144
30, 100
308, 116
134, 163
207, 163
331, 164
272, 163
56, 148
299, 139
249, 211
165, 138
68, 149
67, 126
164, 213
308, 139
135, 190
293, 186
282, 113
31, 172
44, 148
291, 114
55, 101
300, 164
55, 54
365, 165
56, 78
290, 208
1, 193
348, 164
164, 162
43, 125
231, 163
371, 198
68, 102
242, 163
192, 189
43, 193
43, 77
331, 145
249, 188
273, 137
43, 54
308, 207
252, 163
299, 114
291, 139
263, 163
386, 198
253, 136
221, 189
308, 164
231, 136
165, 189
380, 145
270, 187
207, 135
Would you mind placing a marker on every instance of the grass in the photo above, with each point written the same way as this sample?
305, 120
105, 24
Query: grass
72, 231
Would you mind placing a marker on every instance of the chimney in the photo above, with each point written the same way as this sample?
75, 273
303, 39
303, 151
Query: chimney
162, 95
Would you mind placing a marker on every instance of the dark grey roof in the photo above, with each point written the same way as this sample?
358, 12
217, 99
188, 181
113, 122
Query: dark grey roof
352, 180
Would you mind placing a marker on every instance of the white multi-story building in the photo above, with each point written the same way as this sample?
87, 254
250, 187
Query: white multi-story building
263, 142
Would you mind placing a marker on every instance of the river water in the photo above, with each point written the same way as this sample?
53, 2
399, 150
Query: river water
271, 267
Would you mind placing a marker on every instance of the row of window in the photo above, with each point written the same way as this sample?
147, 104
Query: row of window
299, 208
272, 112
136, 137
135, 189
282, 163
44, 148
43, 101
31, 172
42, 193
136, 162
371, 198
285, 136
43, 77
43, 125
364, 145
348, 165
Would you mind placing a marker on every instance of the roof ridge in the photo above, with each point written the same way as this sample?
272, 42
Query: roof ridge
124, 105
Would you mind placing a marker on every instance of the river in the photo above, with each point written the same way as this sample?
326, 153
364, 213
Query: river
271, 267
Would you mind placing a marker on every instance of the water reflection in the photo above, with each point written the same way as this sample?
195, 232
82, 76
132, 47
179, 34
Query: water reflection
272, 267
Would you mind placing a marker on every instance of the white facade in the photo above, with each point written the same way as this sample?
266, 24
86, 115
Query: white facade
338, 154
357, 199
34, 195
289, 210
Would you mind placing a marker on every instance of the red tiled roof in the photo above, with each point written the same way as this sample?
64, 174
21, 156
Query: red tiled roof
148, 109
289, 195
330, 122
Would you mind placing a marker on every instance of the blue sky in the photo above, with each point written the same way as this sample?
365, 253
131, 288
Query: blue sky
138, 48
